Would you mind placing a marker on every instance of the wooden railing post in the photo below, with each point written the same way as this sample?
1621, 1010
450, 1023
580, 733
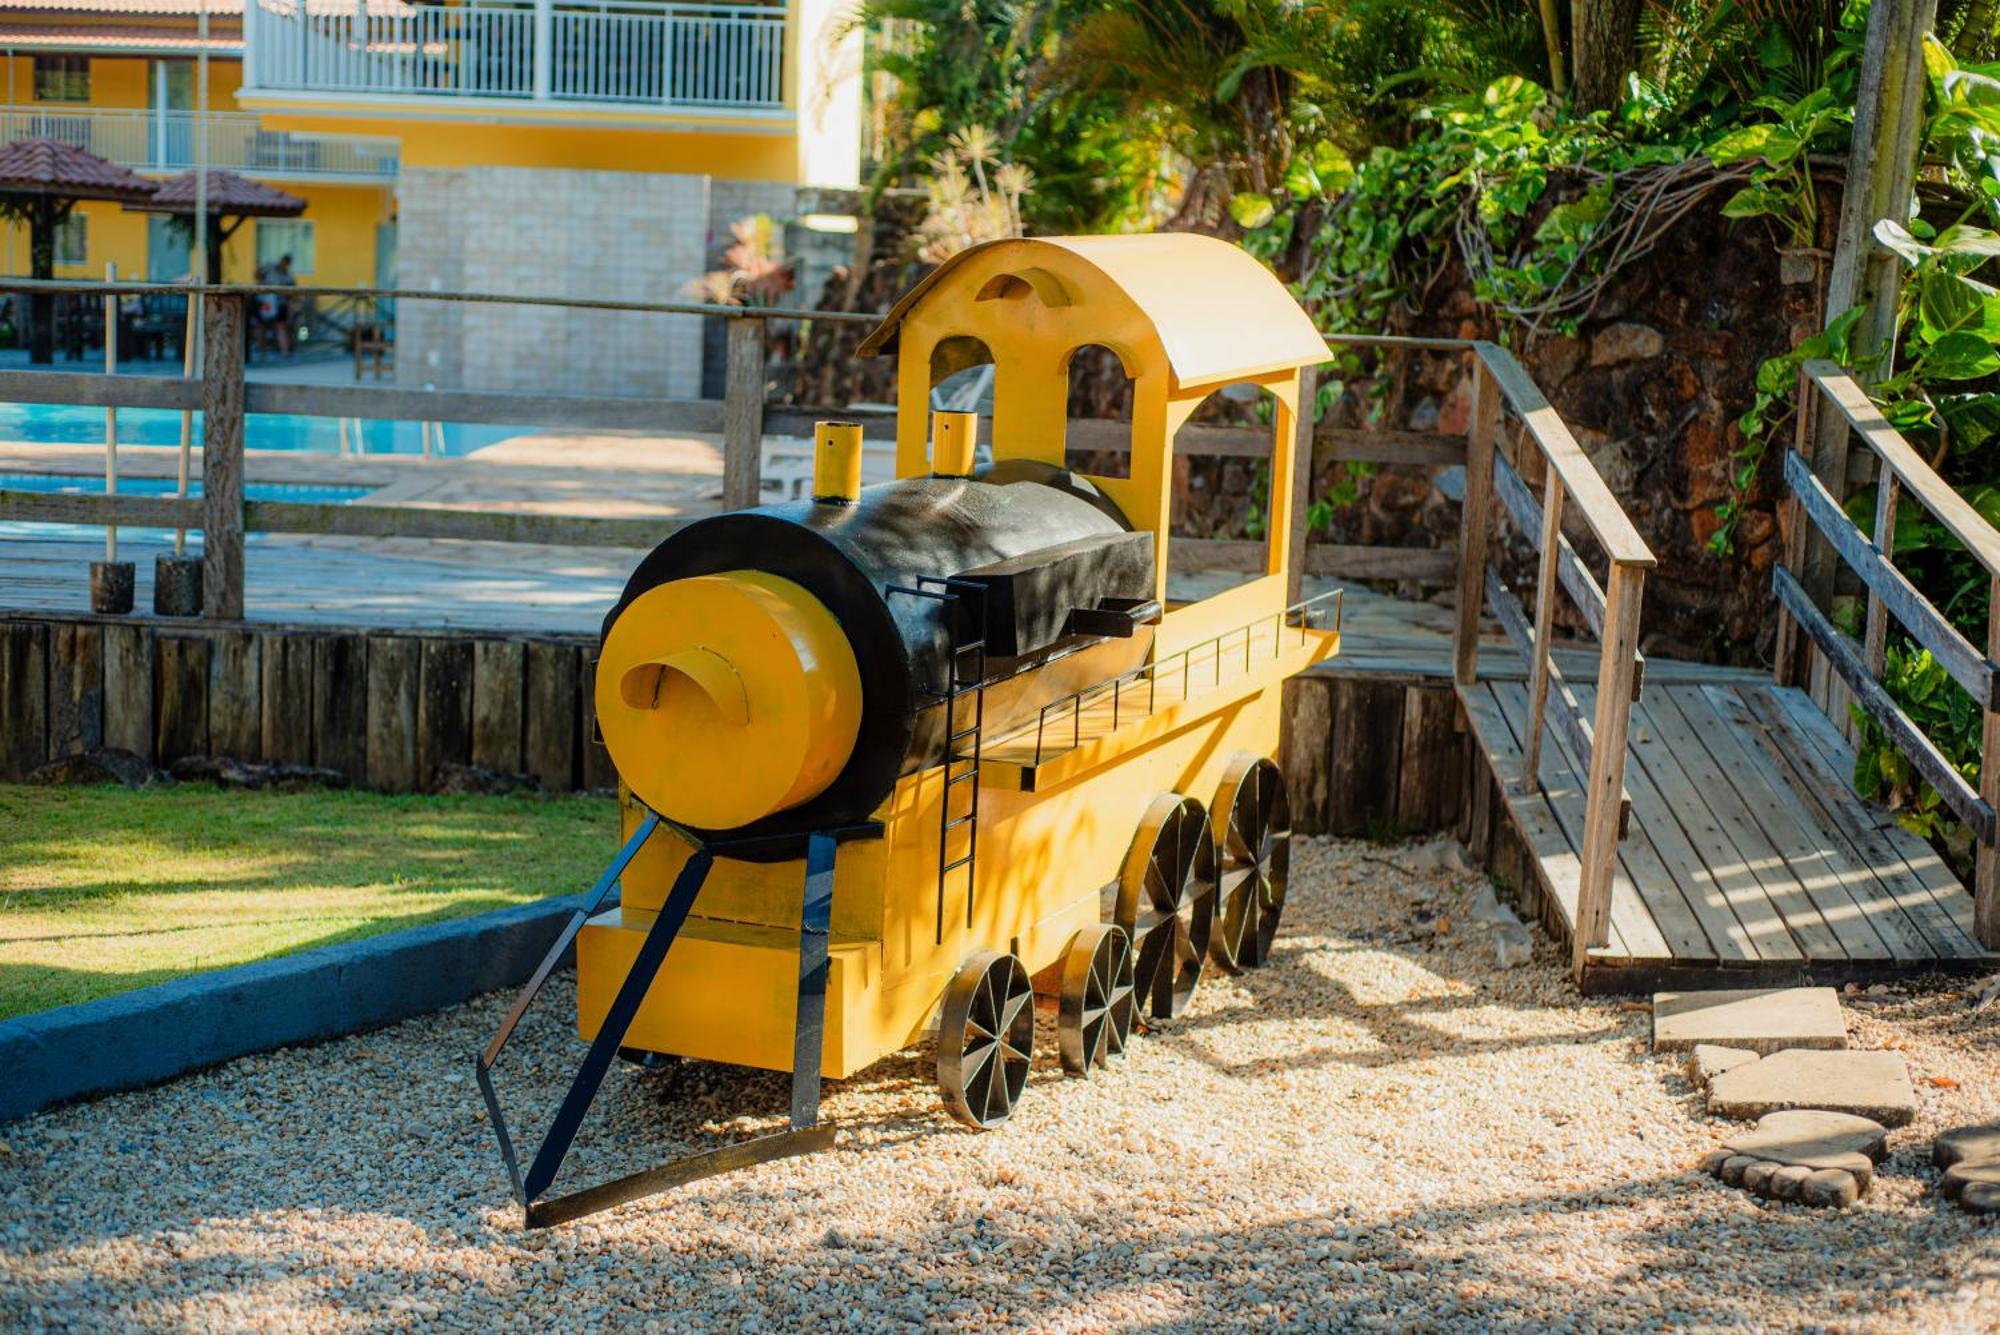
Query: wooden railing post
1602, 798
743, 415
222, 457
1986, 857
1545, 612
1475, 521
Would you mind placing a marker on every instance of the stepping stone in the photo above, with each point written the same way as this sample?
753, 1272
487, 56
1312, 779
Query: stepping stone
1970, 1157
1763, 1020
1707, 1061
1804, 1155
1875, 1085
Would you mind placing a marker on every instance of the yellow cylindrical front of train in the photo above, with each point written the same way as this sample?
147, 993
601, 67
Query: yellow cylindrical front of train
727, 698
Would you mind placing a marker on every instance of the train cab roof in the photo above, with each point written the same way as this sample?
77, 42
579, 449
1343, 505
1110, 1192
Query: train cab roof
1201, 309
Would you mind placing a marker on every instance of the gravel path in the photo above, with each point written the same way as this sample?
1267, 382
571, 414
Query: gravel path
1382, 1130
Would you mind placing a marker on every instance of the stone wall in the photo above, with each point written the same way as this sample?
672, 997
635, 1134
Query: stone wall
632, 236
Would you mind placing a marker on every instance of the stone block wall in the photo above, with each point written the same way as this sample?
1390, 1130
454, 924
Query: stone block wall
555, 232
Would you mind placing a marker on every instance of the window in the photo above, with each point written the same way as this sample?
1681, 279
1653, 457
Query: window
73, 240
169, 248
277, 239
62, 78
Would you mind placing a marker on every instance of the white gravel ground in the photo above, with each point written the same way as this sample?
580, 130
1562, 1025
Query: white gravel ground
1382, 1130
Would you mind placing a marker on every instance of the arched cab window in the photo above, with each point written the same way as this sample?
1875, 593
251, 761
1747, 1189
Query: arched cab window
1098, 439
1222, 487
962, 382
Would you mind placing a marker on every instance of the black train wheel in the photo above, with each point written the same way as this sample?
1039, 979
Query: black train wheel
986, 1034
1166, 903
1252, 827
1094, 1015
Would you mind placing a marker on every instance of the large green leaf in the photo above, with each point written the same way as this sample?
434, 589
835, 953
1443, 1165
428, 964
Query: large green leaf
1774, 144
1960, 357
1251, 209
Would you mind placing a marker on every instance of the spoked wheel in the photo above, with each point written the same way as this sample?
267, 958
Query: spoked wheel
1166, 903
1095, 1014
985, 1036
1253, 845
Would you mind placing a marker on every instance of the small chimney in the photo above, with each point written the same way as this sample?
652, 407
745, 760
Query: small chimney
836, 463
954, 436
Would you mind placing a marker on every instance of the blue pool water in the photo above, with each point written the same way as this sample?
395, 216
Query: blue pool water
62, 424
64, 484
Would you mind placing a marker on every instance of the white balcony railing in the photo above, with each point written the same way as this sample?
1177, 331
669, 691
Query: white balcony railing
631, 52
164, 142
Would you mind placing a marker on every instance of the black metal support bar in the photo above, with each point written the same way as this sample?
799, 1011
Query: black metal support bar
805, 1134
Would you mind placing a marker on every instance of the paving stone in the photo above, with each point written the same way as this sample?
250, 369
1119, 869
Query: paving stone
1708, 1060
1867, 1084
1810, 1156
1762, 1020
1970, 1157
1966, 1142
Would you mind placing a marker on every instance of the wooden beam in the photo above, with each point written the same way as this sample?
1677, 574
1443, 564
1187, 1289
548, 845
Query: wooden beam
95, 390
1550, 543
582, 412
222, 459
95, 509
1986, 854
743, 416
1330, 560
1921, 751
1568, 719
410, 521
1889, 587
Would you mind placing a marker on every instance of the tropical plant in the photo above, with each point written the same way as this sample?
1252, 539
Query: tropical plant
754, 271
968, 203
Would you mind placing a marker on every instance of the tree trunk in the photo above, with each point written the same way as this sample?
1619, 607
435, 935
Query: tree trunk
42, 264
1604, 40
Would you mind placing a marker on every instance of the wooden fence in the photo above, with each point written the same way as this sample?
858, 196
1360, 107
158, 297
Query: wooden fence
742, 417
1805, 582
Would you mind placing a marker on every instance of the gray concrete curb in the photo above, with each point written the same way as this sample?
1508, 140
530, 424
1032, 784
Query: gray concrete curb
155, 1033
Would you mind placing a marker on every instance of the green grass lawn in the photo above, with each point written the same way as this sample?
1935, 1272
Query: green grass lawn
105, 889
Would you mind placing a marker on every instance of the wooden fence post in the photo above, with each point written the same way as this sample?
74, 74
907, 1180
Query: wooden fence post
1545, 620
1475, 521
1881, 172
1603, 797
222, 457
743, 415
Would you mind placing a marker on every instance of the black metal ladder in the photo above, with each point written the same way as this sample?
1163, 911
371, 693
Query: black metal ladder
961, 745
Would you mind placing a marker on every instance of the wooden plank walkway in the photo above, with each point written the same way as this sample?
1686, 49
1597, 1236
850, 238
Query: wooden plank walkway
1748, 860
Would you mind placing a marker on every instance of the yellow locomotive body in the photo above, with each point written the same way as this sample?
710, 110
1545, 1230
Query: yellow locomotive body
1094, 757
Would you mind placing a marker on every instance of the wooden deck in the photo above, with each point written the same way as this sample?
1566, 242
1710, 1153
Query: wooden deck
1748, 858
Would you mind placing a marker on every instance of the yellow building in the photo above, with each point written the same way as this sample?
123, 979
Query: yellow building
588, 148
119, 77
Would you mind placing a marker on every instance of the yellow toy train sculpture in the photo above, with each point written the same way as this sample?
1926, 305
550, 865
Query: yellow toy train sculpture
897, 758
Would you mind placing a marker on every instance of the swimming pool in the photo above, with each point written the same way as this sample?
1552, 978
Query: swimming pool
70, 484
66, 424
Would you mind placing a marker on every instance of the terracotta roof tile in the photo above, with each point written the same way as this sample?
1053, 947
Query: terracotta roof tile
51, 167
227, 193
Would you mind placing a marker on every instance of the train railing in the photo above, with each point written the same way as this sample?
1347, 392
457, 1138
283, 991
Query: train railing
1805, 579
1135, 694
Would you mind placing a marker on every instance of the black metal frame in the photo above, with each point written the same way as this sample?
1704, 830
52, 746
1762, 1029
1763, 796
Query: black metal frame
804, 1135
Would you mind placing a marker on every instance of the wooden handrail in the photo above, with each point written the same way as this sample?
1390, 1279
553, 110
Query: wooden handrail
1817, 508
1916, 476
1608, 521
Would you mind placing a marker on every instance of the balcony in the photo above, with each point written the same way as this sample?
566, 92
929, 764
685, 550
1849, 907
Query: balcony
627, 54
163, 142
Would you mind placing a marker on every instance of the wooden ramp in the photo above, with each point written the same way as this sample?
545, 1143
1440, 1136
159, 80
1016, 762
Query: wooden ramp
1748, 859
